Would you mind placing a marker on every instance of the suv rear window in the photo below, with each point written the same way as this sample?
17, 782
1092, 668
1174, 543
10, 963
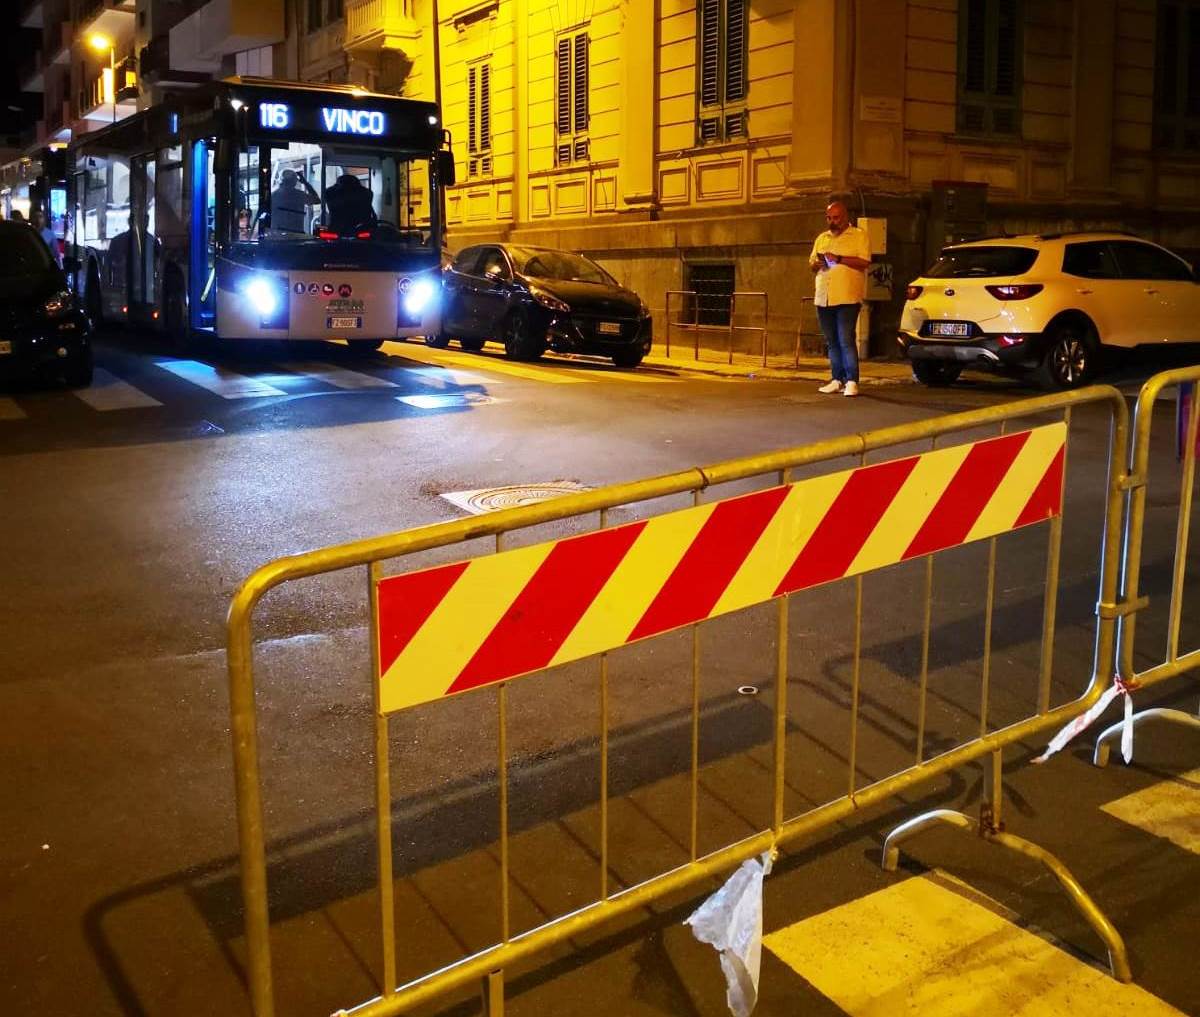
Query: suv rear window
980, 262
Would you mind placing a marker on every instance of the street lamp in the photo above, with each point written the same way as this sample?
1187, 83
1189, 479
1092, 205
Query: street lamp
100, 42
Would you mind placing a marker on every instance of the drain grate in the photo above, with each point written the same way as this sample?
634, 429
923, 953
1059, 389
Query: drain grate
491, 499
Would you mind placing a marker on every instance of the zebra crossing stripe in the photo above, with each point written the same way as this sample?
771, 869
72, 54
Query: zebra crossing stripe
514, 613
219, 380
339, 377
108, 392
9, 410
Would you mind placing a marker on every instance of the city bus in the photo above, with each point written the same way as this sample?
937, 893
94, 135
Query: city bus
37, 183
258, 209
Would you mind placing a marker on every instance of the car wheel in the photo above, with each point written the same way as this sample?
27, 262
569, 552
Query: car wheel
1070, 358
438, 340
628, 358
472, 345
936, 373
518, 343
365, 345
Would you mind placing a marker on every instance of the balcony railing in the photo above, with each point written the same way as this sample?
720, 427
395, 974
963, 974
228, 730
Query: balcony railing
95, 102
381, 24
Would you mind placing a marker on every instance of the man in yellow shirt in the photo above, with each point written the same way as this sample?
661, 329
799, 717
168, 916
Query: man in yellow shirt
839, 259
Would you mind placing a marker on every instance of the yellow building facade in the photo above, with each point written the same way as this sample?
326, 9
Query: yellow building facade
685, 140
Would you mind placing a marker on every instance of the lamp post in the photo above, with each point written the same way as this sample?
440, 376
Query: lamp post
100, 42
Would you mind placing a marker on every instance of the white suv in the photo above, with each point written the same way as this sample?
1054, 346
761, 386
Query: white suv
1045, 304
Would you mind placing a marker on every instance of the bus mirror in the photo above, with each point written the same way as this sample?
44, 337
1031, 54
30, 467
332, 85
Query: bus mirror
445, 168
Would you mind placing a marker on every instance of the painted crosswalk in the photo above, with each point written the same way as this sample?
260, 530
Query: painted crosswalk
421, 378
932, 947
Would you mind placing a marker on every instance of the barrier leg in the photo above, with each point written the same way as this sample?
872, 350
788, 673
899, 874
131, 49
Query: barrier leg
493, 994
1111, 734
1118, 959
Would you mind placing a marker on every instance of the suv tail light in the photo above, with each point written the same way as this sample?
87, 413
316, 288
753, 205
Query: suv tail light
912, 292
1014, 291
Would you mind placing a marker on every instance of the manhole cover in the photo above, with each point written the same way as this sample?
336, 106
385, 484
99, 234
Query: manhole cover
493, 498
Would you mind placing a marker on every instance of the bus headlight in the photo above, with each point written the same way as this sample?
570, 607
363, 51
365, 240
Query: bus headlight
420, 295
262, 297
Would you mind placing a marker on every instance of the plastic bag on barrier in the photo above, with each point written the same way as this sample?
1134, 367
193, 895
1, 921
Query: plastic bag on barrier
731, 921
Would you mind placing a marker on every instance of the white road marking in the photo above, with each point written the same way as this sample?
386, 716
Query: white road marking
9, 410
340, 377
108, 392
441, 378
1169, 809
919, 948
448, 401
219, 380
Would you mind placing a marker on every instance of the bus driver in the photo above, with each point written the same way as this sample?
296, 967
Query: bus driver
289, 202
349, 204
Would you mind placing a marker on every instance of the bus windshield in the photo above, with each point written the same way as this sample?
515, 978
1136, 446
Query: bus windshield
295, 191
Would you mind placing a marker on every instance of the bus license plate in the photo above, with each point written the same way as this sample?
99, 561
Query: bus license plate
610, 328
958, 329
344, 323
5, 346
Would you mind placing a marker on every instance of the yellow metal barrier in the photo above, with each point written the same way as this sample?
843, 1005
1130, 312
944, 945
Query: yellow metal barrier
1173, 663
486, 968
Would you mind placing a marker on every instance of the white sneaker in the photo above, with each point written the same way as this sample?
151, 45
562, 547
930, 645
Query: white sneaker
851, 388
830, 387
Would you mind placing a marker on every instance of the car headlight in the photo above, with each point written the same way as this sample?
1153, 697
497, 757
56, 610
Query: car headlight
420, 294
549, 300
57, 304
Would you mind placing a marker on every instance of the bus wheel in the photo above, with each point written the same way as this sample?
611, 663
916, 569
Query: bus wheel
365, 345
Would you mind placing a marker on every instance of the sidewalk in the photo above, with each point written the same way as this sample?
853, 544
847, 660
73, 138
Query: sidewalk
871, 372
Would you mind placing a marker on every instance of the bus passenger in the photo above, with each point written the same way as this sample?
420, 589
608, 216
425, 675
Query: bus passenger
289, 201
349, 204
47, 235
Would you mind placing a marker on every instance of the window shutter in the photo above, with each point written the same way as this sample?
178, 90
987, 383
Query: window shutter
1006, 49
975, 70
485, 108
581, 82
472, 111
562, 113
735, 50
710, 52
1192, 105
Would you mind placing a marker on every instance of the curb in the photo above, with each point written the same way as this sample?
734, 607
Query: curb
814, 373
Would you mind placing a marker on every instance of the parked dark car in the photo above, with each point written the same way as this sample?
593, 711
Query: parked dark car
534, 298
42, 331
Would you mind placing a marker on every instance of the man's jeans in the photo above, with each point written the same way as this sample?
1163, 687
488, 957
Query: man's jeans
838, 326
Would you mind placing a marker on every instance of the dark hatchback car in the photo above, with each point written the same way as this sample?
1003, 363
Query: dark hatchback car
42, 331
534, 298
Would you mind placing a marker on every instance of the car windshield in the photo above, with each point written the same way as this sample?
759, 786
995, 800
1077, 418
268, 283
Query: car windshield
982, 262
294, 191
558, 265
22, 252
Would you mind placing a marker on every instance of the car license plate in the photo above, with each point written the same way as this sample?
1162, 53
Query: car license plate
958, 329
5, 346
610, 328
344, 323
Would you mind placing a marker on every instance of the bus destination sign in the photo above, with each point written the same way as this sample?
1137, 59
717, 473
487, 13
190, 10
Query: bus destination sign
278, 116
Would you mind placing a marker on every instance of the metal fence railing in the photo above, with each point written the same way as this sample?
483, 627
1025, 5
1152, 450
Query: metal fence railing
691, 307
526, 608
1174, 661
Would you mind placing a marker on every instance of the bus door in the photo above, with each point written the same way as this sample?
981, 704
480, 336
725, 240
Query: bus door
143, 242
202, 245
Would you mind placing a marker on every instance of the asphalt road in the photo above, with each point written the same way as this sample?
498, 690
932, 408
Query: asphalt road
133, 510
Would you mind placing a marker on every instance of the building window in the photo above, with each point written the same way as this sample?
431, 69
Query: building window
722, 35
316, 14
1177, 76
989, 67
479, 120
337, 10
713, 285
571, 98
